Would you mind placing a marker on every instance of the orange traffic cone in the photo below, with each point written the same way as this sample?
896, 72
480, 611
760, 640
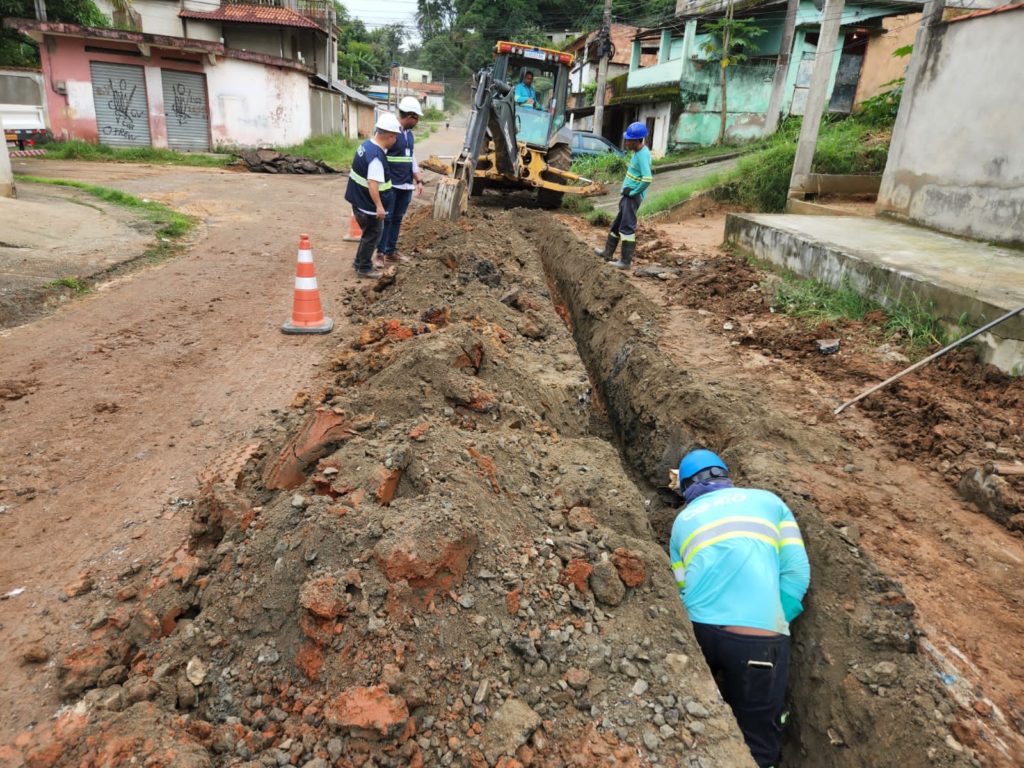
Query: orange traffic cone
307, 314
355, 232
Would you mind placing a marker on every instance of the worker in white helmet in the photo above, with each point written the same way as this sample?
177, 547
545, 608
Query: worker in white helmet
405, 179
369, 190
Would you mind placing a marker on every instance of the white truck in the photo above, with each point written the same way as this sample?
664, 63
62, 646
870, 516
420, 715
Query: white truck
23, 107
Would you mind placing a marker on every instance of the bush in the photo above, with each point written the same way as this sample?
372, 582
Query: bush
606, 168
433, 114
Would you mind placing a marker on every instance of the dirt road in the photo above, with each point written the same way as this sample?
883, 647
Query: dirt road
125, 395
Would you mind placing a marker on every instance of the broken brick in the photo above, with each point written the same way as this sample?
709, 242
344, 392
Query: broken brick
81, 668
322, 597
577, 573
309, 660
322, 430
368, 709
630, 566
488, 467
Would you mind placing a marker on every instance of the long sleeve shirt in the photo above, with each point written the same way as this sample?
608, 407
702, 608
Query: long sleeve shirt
639, 175
740, 560
525, 93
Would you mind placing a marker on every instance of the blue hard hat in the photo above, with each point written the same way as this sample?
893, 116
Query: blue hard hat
635, 131
698, 461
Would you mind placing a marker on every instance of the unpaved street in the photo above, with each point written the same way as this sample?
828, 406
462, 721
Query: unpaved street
133, 390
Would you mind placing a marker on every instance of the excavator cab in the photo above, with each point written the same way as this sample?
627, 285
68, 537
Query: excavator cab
536, 126
510, 146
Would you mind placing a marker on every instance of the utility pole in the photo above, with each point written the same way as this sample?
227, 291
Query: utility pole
771, 123
6, 175
828, 39
605, 43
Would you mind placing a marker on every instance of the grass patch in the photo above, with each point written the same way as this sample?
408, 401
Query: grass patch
702, 153
598, 218
606, 168
911, 323
75, 283
169, 223
333, 149
672, 197
577, 204
83, 150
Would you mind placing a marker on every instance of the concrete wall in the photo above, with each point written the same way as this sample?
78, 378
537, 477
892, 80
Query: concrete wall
880, 66
964, 176
252, 104
158, 16
662, 114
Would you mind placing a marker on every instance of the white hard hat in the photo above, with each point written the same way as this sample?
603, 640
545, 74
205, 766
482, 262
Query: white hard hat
410, 104
388, 122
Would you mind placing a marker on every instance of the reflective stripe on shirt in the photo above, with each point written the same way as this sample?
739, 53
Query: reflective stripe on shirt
680, 573
790, 533
728, 528
382, 186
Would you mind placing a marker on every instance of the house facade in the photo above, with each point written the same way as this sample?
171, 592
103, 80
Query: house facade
194, 76
679, 96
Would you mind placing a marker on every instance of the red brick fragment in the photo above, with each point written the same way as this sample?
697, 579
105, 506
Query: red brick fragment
368, 709
630, 566
322, 430
577, 572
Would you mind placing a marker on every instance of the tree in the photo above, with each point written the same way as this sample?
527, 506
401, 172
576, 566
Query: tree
732, 42
17, 50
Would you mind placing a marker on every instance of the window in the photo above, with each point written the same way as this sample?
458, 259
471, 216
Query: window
594, 145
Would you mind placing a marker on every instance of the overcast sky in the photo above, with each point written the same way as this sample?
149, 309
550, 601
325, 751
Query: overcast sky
378, 13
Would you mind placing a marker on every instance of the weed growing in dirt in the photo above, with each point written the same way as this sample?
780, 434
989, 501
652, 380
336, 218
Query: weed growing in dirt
673, 196
577, 204
83, 150
598, 218
170, 224
335, 150
910, 322
76, 284
606, 168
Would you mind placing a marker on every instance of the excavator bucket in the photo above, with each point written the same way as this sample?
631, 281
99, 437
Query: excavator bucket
450, 199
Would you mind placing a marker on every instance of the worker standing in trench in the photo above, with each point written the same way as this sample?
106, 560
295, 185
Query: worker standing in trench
742, 572
634, 188
369, 191
405, 179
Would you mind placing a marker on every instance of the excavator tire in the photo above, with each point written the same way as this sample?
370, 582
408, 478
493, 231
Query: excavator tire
560, 157
449, 199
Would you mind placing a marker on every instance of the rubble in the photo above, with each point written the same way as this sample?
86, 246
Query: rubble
272, 161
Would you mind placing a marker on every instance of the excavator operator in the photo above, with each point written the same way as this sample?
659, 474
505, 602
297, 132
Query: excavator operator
525, 96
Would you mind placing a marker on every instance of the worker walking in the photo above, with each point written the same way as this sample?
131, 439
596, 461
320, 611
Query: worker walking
369, 190
405, 179
742, 572
634, 188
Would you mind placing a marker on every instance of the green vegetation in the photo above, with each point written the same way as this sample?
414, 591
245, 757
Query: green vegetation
334, 149
432, 114
16, 50
732, 41
607, 168
674, 196
705, 153
598, 218
908, 322
84, 150
75, 283
169, 223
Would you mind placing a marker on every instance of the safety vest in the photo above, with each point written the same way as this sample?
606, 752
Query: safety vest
358, 190
400, 159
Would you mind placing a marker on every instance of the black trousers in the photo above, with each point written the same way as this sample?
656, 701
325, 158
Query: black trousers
624, 225
751, 672
372, 228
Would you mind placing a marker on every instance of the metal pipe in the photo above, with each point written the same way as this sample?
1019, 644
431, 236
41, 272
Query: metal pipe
928, 359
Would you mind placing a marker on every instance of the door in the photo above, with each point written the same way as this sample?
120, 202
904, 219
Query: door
188, 122
803, 83
122, 111
847, 78
651, 123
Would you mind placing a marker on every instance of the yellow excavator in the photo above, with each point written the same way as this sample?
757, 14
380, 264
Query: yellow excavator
514, 146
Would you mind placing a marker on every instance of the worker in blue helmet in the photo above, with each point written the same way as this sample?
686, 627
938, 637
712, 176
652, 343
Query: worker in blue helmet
634, 188
742, 572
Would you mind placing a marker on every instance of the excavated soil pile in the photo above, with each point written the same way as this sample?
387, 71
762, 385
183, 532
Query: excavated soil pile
959, 418
434, 561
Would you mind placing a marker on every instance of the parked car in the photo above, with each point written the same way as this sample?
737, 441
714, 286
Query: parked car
585, 143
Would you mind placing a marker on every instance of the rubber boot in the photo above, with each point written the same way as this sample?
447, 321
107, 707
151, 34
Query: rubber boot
609, 248
626, 255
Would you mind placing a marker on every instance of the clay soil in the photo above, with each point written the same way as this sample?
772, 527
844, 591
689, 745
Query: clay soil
894, 475
432, 539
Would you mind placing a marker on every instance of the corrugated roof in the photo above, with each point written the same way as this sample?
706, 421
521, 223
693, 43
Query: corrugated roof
355, 95
253, 14
989, 12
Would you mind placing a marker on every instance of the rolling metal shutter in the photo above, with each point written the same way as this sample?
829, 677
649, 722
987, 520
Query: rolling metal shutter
188, 122
122, 111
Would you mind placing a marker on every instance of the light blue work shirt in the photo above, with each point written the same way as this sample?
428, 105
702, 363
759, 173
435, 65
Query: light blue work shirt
525, 92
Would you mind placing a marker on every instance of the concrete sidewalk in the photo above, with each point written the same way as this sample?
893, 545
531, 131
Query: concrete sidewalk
890, 261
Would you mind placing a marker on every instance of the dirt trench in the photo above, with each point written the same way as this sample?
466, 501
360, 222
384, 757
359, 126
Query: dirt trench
861, 693
439, 557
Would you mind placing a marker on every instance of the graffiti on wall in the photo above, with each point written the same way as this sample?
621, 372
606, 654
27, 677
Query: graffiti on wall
125, 115
186, 105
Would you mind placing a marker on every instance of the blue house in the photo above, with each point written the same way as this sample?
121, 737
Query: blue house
679, 97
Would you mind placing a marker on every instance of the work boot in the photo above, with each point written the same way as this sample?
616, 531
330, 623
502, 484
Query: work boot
379, 260
608, 251
396, 258
372, 274
626, 256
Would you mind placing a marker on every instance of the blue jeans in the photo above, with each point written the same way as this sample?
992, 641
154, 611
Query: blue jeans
400, 199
